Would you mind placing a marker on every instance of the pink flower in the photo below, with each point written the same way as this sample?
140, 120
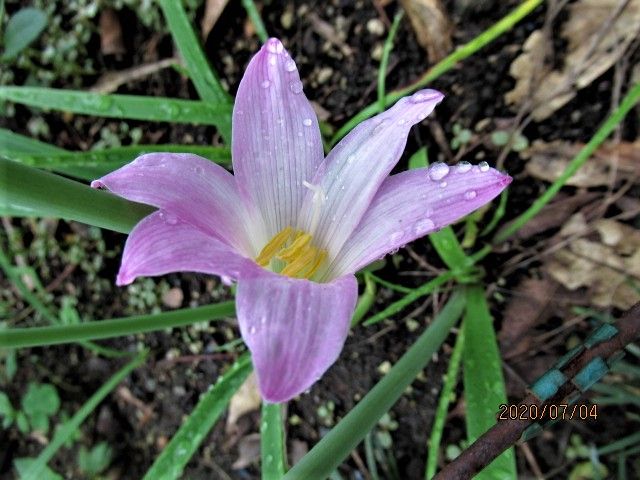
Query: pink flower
291, 226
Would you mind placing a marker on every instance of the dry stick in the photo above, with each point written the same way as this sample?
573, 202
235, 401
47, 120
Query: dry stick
507, 432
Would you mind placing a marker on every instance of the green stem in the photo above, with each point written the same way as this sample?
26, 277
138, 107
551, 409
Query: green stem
256, 20
272, 445
336, 445
384, 61
446, 64
366, 300
40, 336
628, 102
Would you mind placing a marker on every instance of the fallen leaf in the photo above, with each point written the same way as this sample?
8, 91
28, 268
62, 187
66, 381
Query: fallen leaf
547, 161
590, 53
212, 11
246, 399
431, 25
111, 42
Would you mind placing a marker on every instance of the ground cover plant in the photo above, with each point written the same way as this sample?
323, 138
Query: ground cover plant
118, 363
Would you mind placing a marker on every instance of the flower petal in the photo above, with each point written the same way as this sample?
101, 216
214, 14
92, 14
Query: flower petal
294, 328
162, 243
354, 170
190, 187
412, 204
276, 140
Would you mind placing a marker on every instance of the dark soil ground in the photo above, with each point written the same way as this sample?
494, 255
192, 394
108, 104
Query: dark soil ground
149, 406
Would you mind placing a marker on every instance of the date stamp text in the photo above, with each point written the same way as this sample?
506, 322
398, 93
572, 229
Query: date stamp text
561, 411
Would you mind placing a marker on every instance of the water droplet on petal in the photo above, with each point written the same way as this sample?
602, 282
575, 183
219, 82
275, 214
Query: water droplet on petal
350, 159
381, 125
420, 97
423, 226
470, 194
307, 122
252, 330
463, 167
170, 218
484, 166
396, 236
275, 46
272, 60
290, 66
401, 121
443, 184
438, 171
265, 84
199, 170
296, 87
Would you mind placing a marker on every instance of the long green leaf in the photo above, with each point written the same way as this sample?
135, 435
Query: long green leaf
40, 336
343, 438
69, 427
272, 446
484, 389
184, 444
134, 107
34, 191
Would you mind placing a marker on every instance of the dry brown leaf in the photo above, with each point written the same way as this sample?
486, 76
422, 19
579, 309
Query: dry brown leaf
547, 161
111, 42
212, 11
246, 399
431, 25
586, 59
607, 265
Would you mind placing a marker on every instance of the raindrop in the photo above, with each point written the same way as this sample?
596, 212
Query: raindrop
296, 87
275, 46
396, 236
463, 167
438, 171
420, 97
199, 170
381, 125
170, 218
470, 194
401, 121
423, 226
290, 66
484, 166
252, 330
443, 184
269, 459
307, 122
350, 159
272, 60
265, 84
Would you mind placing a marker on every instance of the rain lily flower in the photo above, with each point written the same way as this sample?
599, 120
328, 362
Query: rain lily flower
291, 226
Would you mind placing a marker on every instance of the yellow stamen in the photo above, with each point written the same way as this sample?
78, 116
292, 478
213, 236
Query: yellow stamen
302, 259
273, 247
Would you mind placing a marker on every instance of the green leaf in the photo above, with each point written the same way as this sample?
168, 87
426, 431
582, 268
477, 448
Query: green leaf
135, 107
95, 461
272, 445
40, 398
24, 27
336, 445
448, 247
39, 422
36, 468
204, 78
6, 410
24, 464
40, 336
22, 423
484, 389
35, 192
184, 444
419, 159
500, 138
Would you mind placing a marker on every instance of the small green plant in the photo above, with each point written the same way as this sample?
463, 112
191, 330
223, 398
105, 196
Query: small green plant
38, 404
500, 138
92, 462
461, 136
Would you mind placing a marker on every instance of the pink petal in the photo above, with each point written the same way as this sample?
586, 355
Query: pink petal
276, 139
161, 243
414, 203
294, 328
354, 170
190, 187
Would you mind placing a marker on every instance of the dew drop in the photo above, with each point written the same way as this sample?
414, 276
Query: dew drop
420, 97
275, 46
252, 330
484, 166
401, 121
438, 171
307, 122
396, 236
170, 218
290, 66
272, 60
423, 226
296, 87
470, 194
381, 125
265, 84
463, 167
350, 159
443, 184
199, 170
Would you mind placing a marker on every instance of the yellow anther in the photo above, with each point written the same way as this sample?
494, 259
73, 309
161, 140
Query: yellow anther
273, 247
302, 259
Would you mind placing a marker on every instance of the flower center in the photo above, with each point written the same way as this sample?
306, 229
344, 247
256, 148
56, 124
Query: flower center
292, 253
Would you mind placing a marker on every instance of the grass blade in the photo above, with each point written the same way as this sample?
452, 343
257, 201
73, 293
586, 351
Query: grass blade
40, 336
384, 61
134, 107
254, 17
175, 456
272, 444
42, 193
69, 427
345, 436
484, 387
365, 301
203, 76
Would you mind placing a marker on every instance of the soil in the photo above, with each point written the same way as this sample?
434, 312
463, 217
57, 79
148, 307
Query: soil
181, 364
